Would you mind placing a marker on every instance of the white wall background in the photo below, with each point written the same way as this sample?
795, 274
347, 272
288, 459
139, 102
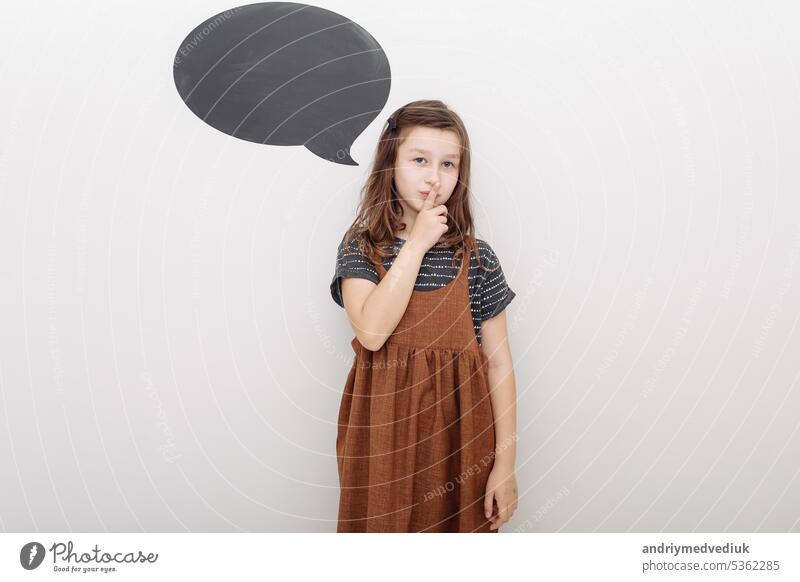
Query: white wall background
170, 355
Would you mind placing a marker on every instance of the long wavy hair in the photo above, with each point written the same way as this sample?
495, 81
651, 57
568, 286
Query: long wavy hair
378, 216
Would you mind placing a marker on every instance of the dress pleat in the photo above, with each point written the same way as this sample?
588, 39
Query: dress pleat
415, 441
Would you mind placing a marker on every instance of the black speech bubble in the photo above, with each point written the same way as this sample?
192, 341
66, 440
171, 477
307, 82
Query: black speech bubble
282, 73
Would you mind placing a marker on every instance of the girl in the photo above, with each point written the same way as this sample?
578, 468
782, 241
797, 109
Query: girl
427, 430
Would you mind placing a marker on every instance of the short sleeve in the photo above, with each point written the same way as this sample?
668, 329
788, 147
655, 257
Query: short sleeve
351, 262
495, 293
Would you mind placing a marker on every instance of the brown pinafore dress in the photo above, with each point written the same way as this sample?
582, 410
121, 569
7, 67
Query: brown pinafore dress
415, 442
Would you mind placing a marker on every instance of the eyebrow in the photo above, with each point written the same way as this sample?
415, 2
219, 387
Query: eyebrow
429, 153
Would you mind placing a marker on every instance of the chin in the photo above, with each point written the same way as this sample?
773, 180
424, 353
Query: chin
415, 203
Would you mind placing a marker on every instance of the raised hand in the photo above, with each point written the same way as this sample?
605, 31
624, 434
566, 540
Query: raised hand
431, 221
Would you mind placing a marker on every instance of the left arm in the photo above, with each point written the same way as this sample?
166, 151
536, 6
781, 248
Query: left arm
502, 485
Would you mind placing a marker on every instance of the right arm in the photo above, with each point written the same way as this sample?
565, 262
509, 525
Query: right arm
375, 310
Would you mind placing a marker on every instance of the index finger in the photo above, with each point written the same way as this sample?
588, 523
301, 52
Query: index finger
432, 195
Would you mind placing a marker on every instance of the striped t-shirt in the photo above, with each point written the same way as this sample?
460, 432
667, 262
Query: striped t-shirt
489, 293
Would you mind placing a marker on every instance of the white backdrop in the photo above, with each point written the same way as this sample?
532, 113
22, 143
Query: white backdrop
170, 355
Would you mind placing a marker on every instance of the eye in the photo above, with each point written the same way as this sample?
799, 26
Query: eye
452, 165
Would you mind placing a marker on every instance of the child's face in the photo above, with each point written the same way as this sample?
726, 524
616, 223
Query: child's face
427, 155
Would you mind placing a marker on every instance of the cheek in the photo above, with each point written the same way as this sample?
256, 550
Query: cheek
402, 174
407, 178
452, 180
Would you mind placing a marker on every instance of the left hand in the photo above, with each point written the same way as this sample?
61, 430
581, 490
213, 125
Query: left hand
501, 489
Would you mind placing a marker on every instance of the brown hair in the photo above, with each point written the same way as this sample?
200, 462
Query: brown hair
379, 211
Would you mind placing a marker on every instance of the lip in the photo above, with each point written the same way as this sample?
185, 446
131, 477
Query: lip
424, 194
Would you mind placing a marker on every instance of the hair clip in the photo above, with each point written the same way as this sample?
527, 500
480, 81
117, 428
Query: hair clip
392, 123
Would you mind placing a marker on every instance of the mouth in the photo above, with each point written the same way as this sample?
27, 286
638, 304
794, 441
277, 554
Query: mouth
425, 194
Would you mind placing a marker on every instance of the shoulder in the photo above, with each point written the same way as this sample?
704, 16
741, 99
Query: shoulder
351, 262
493, 290
486, 253
351, 245
353, 248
